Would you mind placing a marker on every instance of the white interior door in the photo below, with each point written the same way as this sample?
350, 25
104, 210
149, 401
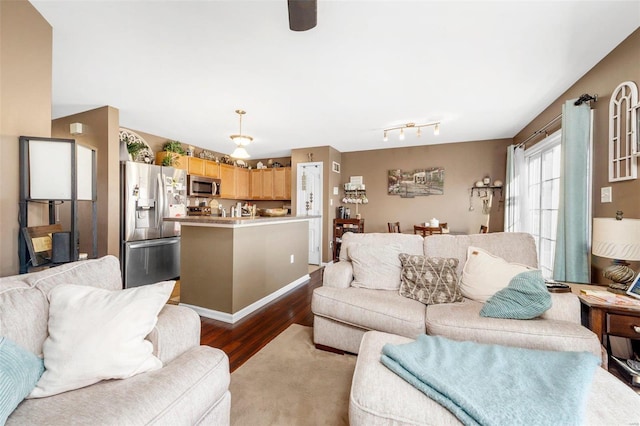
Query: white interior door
309, 176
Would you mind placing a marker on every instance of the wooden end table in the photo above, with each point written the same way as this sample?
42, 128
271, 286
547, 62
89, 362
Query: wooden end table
608, 319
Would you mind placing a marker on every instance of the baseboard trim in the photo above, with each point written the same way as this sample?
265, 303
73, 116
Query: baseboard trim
233, 318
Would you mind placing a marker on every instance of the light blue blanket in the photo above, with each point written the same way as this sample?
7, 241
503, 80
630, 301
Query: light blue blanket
496, 385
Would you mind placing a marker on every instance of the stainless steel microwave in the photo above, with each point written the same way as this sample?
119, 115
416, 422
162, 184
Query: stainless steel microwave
200, 186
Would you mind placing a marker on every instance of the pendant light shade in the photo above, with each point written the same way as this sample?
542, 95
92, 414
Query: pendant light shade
240, 153
241, 140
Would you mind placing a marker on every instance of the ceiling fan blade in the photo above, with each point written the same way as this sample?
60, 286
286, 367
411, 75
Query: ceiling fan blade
302, 14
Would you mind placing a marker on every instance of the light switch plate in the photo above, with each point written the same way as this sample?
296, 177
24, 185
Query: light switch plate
605, 195
335, 190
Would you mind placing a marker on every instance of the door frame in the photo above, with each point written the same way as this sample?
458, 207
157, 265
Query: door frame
319, 199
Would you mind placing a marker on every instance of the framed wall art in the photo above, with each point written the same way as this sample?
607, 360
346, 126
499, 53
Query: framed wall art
417, 182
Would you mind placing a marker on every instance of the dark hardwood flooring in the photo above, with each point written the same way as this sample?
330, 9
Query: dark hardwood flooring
242, 340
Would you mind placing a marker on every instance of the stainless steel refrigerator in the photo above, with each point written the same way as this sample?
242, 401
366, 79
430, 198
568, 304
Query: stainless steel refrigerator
150, 249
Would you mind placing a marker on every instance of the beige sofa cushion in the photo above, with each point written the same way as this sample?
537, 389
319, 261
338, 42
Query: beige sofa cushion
518, 247
18, 302
462, 321
180, 393
375, 266
409, 243
383, 310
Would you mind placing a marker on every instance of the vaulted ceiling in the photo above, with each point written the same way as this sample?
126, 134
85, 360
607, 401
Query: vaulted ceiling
180, 69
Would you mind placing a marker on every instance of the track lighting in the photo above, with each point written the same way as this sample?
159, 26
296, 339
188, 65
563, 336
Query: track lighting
418, 127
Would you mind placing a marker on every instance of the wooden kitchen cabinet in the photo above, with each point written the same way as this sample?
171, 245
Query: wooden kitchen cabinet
267, 184
281, 181
211, 169
227, 181
180, 161
242, 183
255, 184
262, 184
287, 179
196, 166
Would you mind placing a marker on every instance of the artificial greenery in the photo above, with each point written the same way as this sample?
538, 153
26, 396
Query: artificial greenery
133, 147
173, 146
169, 160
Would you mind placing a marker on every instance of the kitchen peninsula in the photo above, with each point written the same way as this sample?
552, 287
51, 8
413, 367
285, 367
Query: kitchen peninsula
232, 266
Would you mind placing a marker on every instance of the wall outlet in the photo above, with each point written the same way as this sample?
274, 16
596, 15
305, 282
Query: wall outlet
292, 258
606, 195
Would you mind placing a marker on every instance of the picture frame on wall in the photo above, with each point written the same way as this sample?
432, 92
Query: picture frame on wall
335, 167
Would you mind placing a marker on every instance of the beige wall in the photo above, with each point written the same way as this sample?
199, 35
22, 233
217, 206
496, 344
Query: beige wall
25, 110
464, 164
622, 64
100, 130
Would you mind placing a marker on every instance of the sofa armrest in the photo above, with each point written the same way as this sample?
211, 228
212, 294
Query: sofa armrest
565, 307
338, 275
177, 330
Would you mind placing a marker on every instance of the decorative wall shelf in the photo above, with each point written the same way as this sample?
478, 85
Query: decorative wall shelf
482, 190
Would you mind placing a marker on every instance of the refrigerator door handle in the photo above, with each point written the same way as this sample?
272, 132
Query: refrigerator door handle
160, 202
158, 242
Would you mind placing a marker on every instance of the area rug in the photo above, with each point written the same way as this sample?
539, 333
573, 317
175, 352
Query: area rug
290, 382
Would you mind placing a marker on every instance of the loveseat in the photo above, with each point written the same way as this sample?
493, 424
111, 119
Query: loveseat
343, 312
190, 388
364, 320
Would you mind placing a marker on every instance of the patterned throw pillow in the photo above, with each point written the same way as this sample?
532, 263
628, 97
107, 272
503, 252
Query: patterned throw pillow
430, 280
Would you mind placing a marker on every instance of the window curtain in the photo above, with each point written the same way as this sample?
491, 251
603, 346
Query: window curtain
571, 261
515, 217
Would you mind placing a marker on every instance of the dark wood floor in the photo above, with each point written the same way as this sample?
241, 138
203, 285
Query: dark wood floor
242, 340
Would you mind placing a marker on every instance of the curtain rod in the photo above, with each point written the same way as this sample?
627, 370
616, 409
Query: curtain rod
537, 132
582, 99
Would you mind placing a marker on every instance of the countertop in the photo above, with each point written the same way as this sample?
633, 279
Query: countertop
230, 222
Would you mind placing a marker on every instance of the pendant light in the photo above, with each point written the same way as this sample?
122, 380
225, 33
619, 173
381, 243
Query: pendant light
241, 140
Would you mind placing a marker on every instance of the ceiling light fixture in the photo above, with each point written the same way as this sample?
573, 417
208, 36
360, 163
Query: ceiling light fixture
241, 140
418, 127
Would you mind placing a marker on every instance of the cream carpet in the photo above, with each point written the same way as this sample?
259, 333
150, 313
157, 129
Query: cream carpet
290, 382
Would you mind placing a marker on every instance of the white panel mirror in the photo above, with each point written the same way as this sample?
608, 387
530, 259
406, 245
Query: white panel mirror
623, 163
49, 170
84, 170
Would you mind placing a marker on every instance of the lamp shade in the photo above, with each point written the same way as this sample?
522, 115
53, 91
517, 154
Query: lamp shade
616, 239
240, 153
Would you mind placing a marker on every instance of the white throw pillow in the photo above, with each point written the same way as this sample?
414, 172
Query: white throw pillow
485, 274
97, 334
376, 267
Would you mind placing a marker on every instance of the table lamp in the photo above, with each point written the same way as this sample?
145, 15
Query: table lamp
617, 239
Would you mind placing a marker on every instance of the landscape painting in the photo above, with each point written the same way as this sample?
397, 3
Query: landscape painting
416, 182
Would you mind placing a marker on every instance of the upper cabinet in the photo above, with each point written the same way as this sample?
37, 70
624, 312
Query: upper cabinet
271, 184
281, 183
211, 169
196, 166
227, 181
242, 183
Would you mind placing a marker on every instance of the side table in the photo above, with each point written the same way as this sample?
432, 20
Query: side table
610, 319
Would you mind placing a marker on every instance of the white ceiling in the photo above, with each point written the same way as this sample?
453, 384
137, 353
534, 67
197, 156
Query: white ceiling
179, 69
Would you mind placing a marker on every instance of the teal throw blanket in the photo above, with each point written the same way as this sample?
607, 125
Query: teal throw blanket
496, 385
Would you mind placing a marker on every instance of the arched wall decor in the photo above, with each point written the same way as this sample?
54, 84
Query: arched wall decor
129, 137
623, 142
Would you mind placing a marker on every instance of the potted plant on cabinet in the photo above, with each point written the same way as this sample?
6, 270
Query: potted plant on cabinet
172, 151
